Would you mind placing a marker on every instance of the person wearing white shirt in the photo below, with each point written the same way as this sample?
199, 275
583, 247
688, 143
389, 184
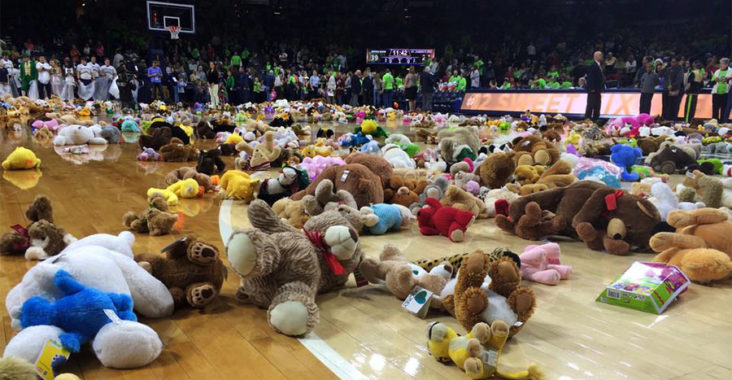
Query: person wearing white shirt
101, 81
118, 58
475, 77
44, 78
86, 85
84, 72
8, 65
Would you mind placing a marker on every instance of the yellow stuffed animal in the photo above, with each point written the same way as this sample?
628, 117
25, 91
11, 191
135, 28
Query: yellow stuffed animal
233, 138
185, 188
478, 352
238, 185
21, 159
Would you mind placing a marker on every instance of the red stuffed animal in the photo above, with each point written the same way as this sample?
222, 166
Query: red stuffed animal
436, 219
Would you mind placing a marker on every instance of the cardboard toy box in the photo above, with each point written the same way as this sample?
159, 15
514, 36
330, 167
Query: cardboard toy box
646, 286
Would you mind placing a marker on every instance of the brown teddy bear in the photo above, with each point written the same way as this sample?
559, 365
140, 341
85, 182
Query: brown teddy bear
403, 191
42, 238
156, 139
496, 170
190, 268
462, 200
651, 144
378, 165
291, 211
400, 276
599, 215
156, 219
471, 301
325, 199
283, 268
700, 247
176, 151
558, 175
531, 150
209, 183
356, 179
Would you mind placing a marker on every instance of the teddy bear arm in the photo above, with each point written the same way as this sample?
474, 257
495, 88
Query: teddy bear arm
592, 207
293, 310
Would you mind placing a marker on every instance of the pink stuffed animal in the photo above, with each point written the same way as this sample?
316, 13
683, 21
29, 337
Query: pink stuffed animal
540, 263
314, 166
51, 124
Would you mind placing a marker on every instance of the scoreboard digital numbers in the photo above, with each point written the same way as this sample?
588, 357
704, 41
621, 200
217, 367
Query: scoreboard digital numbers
399, 56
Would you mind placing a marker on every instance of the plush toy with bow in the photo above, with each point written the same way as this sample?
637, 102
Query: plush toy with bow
282, 268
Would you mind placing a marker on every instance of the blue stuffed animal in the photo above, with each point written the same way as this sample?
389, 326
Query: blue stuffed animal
390, 218
371, 147
80, 312
625, 157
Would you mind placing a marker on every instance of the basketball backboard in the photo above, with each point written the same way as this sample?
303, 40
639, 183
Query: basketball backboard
161, 15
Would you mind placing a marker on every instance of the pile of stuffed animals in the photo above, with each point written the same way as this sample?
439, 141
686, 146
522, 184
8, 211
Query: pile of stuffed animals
318, 193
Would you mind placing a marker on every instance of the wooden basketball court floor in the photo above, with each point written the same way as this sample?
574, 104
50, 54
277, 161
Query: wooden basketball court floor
363, 333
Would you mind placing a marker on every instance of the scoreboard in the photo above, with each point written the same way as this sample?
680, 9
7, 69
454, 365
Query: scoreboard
399, 56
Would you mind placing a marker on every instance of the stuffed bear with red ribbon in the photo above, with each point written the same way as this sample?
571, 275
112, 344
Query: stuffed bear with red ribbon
603, 217
283, 268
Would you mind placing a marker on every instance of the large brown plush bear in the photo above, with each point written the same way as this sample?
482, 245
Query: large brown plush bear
470, 304
191, 269
376, 164
357, 179
701, 246
599, 215
283, 268
462, 200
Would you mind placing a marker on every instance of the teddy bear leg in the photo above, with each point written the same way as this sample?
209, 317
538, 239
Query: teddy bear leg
200, 294
201, 253
681, 218
293, 310
523, 302
456, 233
706, 265
505, 276
469, 305
35, 253
588, 234
179, 296
666, 240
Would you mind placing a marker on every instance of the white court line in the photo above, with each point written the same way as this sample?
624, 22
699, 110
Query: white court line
317, 346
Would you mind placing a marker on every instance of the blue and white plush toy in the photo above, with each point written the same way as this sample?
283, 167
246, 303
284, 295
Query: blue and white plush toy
81, 312
392, 217
625, 157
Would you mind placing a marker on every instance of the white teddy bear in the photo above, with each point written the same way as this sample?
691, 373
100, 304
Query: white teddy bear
78, 135
103, 262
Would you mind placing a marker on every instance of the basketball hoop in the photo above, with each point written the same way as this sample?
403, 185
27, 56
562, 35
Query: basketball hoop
174, 30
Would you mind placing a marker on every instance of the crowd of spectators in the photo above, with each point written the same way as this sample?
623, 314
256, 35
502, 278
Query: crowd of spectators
225, 70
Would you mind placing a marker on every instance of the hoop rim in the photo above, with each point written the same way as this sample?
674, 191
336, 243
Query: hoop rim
173, 28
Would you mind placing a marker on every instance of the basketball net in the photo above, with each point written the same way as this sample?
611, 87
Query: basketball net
174, 30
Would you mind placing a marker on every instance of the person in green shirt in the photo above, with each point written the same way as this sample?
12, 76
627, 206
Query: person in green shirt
388, 80
506, 85
245, 54
229, 85
399, 83
195, 53
236, 61
462, 84
479, 64
720, 91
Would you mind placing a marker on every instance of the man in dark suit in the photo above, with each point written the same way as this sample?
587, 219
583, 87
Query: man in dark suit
595, 85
